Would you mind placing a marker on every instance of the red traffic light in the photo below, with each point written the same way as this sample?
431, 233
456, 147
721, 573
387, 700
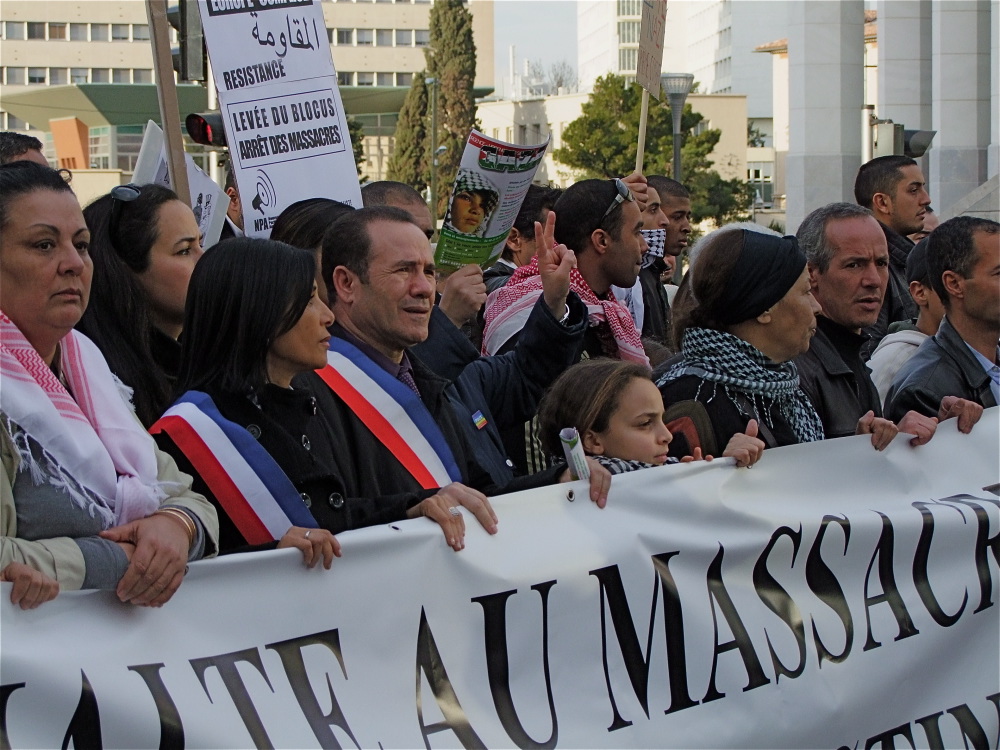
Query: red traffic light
206, 128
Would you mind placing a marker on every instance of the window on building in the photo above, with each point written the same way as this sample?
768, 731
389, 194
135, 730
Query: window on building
345, 36
629, 7
366, 79
14, 76
121, 75
384, 79
345, 79
404, 79
16, 123
365, 37
100, 75
98, 32
628, 59
78, 75
140, 32
13, 30
78, 32
142, 75
383, 37
57, 31
422, 37
628, 32
120, 32
36, 75
36, 30
404, 37
58, 77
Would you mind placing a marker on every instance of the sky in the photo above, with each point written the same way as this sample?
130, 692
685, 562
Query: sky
543, 30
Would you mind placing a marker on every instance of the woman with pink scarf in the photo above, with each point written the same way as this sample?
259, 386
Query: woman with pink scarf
86, 499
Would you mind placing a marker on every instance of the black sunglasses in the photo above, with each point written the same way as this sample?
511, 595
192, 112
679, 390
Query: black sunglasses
624, 194
119, 197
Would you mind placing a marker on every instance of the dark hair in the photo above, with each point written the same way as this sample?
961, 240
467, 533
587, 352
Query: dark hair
118, 318
580, 211
585, 397
535, 201
880, 175
22, 177
388, 193
243, 295
348, 242
952, 247
304, 223
14, 145
666, 186
231, 180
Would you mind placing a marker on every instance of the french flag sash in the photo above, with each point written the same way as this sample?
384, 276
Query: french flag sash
248, 483
393, 412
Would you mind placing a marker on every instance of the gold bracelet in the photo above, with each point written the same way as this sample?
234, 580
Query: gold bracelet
189, 528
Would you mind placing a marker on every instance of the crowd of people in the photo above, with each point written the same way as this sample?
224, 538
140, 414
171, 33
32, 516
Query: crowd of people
162, 402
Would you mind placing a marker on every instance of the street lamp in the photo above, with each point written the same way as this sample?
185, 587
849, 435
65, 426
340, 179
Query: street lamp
433, 83
677, 86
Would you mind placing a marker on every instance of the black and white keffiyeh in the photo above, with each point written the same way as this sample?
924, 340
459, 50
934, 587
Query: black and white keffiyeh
656, 241
622, 466
739, 367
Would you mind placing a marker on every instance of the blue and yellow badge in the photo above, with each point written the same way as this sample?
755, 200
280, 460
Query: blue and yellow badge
479, 420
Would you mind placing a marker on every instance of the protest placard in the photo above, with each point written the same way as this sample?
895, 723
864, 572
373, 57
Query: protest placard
493, 178
208, 201
281, 106
833, 596
651, 30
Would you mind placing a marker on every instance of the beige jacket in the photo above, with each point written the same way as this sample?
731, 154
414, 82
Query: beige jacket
60, 557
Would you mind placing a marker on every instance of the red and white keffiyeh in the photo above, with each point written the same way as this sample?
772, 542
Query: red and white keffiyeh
94, 439
508, 308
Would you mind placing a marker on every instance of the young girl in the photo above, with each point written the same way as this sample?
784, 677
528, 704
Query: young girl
618, 412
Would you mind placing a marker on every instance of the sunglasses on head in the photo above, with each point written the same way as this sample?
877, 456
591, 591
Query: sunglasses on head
119, 197
624, 194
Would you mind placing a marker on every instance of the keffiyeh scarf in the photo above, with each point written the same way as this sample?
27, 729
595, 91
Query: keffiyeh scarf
739, 367
508, 308
90, 438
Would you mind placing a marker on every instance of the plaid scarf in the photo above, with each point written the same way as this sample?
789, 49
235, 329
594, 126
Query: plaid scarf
740, 367
507, 310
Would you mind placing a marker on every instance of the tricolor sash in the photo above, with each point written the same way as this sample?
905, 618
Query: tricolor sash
248, 483
393, 412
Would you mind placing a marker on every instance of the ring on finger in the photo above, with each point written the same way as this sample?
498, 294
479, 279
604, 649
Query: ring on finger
308, 533
454, 511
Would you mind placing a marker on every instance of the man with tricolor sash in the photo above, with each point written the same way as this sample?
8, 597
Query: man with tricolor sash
397, 419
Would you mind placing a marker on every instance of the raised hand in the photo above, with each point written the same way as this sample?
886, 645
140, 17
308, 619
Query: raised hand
463, 294
555, 262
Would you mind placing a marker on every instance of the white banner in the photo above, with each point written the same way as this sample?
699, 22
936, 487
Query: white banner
830, 597
285, 122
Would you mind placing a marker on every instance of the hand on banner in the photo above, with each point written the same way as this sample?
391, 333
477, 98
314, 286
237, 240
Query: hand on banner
443, 508
600, 482
915, 423
745, 446
696, 456
463, 294
640, 191
316, 545
554, 265
882, 430
967, 412
31, 587
156, 567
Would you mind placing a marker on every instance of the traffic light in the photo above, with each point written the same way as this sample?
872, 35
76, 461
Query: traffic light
892, 138
189, 57
206, 128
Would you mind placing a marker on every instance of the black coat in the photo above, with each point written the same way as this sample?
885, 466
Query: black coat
942, 366
836, 379
656, 318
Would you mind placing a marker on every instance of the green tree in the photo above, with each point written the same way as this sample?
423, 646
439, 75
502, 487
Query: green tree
451, 61
408, 162
602, 143
357, 133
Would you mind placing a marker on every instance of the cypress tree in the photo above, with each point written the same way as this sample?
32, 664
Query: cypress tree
357, 133
409, 160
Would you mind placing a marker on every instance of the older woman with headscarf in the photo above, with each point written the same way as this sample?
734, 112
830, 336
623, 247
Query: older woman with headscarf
86, 499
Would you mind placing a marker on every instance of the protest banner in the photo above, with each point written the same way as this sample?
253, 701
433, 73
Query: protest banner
832, 596
493, 178
284, 117
208, 201
652, 26
166, 96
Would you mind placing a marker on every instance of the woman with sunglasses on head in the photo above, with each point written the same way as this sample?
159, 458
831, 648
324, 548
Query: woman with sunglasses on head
86, 499
144, 243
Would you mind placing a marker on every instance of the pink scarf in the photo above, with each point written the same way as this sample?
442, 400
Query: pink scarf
92, 440
508, 308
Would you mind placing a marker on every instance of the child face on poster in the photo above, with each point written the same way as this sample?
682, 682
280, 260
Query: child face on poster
468, 211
